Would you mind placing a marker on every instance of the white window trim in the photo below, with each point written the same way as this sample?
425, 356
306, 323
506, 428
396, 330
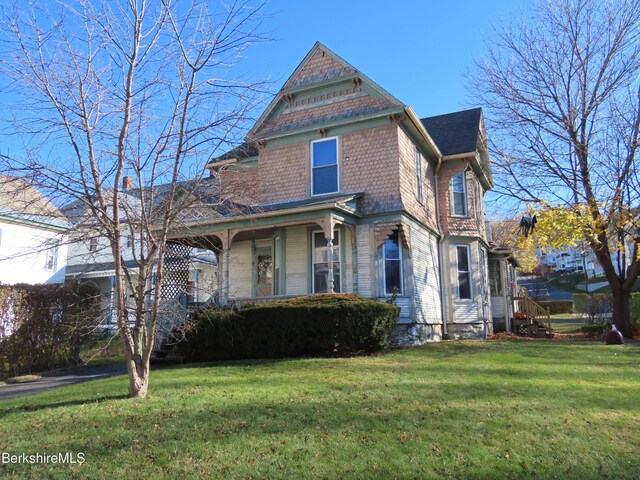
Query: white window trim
51, 253
313, 263
467, 247
311, 167
276, 286
419, 181
384, 269
464, 196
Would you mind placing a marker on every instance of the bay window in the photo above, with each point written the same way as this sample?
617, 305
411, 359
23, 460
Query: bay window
464, 271
392, 257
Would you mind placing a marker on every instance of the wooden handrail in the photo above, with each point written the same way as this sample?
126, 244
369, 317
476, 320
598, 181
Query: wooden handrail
533, 310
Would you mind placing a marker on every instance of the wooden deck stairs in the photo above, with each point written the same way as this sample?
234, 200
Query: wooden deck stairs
531, 319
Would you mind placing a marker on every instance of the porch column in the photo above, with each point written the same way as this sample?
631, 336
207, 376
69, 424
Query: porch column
328, 223
223, 268
225, 253
330, 285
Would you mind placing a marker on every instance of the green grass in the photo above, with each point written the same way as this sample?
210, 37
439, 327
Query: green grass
483, 410
566, 323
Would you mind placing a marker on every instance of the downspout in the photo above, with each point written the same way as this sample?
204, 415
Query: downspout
441, 250
444, 300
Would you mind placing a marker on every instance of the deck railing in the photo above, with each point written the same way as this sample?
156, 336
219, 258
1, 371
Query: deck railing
523, 303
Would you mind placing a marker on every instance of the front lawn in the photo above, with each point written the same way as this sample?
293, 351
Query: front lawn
499, 409
566, 323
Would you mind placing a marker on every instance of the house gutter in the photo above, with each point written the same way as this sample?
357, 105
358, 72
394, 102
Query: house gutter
459, 156
423, 132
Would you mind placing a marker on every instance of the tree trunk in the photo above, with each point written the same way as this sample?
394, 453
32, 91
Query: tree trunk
138, 377
621, 312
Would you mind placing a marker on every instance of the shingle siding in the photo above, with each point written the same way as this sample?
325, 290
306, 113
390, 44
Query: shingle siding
425, 212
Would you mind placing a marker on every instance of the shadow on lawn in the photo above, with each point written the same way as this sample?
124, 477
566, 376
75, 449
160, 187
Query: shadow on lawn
58, 404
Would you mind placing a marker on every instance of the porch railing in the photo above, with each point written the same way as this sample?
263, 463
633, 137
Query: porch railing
533, 311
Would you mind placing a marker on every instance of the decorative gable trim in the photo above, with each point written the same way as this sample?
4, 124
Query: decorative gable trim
344, 72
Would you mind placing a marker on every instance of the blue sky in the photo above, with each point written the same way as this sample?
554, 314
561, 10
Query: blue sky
419, 51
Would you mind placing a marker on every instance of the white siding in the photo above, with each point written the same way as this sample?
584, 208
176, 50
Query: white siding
23, 254
426, 277
364, 243
241, 269
405, 309
296, 251
497, 307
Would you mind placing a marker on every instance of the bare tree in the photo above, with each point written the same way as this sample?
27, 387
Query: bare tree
561, 91
111, 89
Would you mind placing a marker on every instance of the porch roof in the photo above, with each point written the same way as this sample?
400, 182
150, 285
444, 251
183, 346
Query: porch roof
504, 252
322, 200
269, 214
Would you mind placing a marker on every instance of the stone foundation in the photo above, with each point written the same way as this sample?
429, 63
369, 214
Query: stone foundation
410, 334
469, 331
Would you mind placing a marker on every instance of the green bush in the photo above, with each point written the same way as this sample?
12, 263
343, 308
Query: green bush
557, 306
314, 325
596, 329
45, 326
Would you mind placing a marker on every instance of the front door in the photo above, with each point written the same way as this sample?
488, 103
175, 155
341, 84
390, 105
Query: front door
263, 272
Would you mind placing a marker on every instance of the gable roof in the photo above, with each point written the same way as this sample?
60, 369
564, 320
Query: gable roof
20, 196
321, 66
455, 132
242, 151
22, 202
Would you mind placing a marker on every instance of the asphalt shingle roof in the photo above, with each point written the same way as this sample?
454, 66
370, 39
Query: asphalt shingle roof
242, 151
455, 132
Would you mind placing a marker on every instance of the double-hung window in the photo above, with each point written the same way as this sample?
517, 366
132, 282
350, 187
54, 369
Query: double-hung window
276, 265
392, 255
419, 176
464, 271
321, 264
324, 166
459, 194
51, 261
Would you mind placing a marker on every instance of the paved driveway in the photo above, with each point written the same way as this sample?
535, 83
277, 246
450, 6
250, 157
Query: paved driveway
543, 290
62, 379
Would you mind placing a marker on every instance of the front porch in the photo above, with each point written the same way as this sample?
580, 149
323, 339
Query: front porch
322, 246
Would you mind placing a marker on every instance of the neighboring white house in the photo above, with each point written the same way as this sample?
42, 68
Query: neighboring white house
570, 260
32, 235
90, 259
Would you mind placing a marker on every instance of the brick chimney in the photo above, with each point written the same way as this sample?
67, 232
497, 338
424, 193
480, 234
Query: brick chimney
127, 183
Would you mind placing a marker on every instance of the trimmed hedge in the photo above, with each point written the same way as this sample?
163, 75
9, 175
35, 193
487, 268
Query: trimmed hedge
325, 324
557, 306
595, 329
